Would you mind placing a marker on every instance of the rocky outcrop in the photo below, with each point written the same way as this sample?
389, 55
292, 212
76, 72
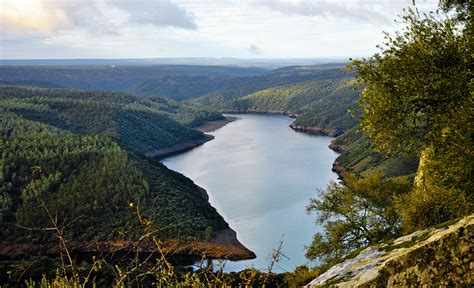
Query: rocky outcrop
178, 148
339, 148
338, 169
257, 111
210, 126
223, 246
314, 130
435, 257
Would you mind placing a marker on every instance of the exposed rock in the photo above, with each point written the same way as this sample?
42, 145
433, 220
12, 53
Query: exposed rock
339, 148
224, 246
433, 257
178, 148
338, 169
257, 111
213, 125
315, 130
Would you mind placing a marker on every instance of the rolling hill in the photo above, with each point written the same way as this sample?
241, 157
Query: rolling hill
74, 156
320, 95
178, 82
141, 124
320, 105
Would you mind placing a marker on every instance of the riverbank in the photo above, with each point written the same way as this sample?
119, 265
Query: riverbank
315, 130
224, 246
269, 112
259, 157
336, 166
178, 148
210, 126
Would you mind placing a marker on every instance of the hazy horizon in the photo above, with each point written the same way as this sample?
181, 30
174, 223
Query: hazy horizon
243, 29
263, 63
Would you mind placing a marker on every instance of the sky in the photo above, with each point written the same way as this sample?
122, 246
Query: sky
84, 29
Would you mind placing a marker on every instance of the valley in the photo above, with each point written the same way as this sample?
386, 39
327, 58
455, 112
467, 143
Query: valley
259, 174
133, 126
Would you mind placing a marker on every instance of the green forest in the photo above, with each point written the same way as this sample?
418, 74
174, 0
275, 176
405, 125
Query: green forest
141, 124
315, 103
93, 178
76, 157
310, 92
84, 169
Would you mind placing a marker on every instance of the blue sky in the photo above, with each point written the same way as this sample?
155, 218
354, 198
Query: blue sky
38, 29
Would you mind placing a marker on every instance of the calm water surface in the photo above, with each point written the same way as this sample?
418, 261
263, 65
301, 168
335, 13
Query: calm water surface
259, 175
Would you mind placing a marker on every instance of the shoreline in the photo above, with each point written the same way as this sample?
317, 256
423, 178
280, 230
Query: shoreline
269, 112
228, 248
178, 148
213, 125
313, 130
208, 126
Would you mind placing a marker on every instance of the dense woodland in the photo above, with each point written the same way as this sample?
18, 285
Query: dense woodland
316, 103
141, 124
89, 179
309, 91
93, 178
174, 81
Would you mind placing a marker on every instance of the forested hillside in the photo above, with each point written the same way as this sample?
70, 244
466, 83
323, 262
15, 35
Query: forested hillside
68, 160
358, 157
316, 103
178, 82
244, 86
141, 124
88, 183
309, 91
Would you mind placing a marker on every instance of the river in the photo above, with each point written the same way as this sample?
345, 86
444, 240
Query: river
260, 175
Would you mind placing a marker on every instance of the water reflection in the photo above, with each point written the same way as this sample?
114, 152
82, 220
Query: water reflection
260, 174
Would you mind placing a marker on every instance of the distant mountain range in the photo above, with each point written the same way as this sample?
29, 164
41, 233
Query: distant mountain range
319, 94
261, 63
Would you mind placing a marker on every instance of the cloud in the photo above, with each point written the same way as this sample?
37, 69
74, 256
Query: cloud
373, 12
167, 28
17, 16
99, 16
158, 13
254, 49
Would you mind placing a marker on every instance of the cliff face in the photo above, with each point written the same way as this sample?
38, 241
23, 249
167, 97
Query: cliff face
435, 257
315, 130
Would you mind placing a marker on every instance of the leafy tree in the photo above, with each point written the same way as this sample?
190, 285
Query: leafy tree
355, 215
418, 100
208, 233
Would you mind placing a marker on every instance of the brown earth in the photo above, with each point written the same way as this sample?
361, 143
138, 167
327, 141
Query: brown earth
163, 152
314, 130
214, 125
228, 248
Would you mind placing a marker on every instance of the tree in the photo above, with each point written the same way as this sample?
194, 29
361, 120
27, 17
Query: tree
418, 99
357, 214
